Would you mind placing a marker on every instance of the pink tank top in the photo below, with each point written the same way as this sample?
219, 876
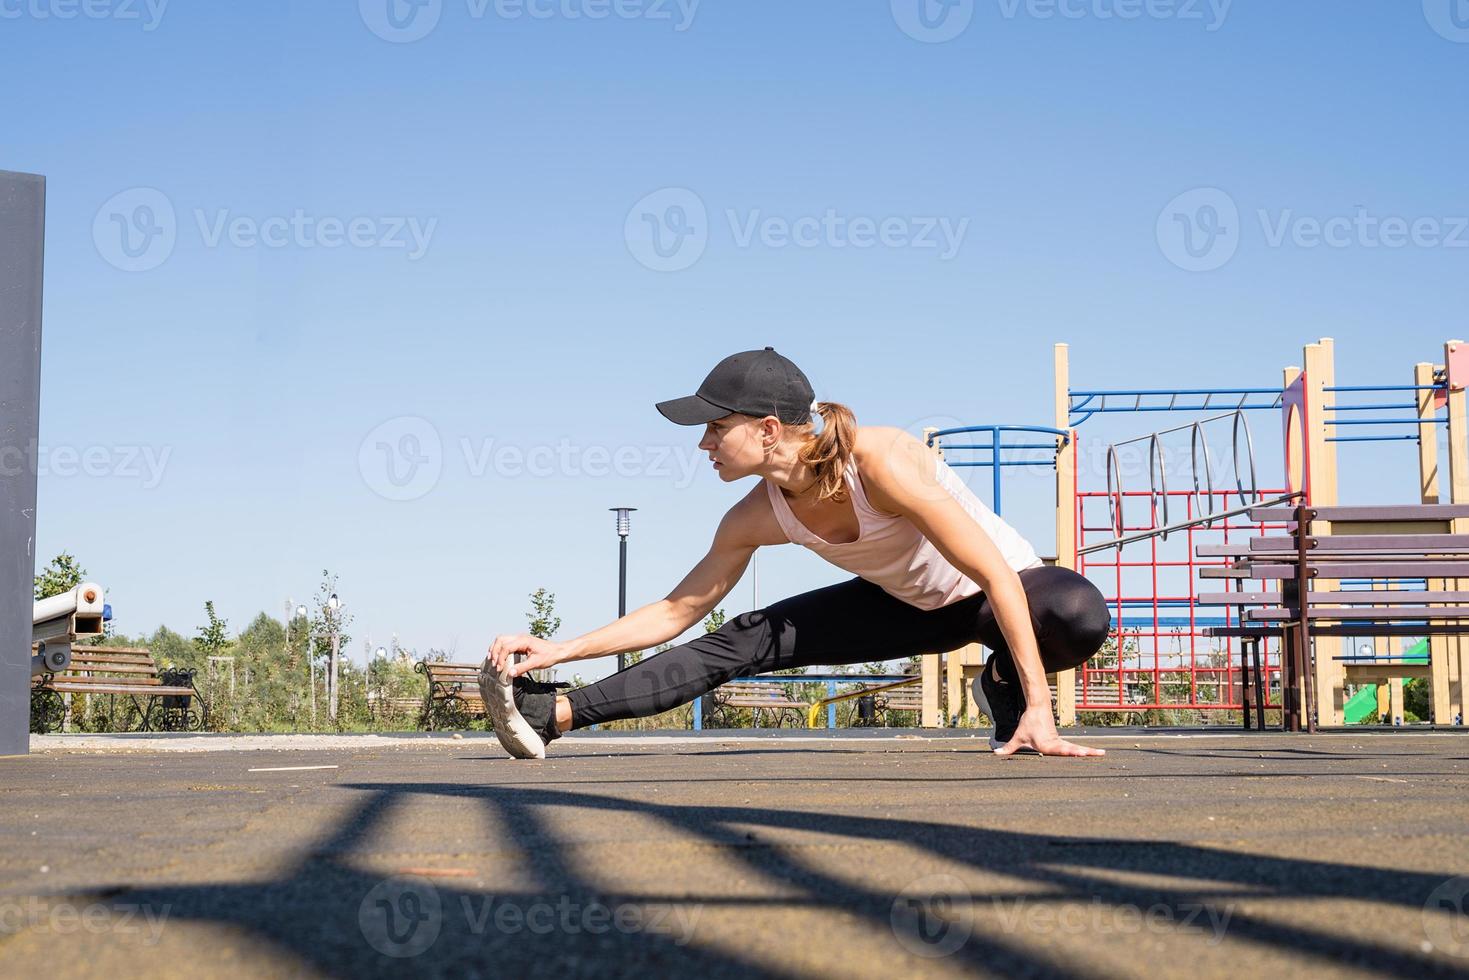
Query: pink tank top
891, 552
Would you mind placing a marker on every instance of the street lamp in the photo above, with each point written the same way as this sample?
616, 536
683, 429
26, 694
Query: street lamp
624, 524
334, 604
379, 664
310, 661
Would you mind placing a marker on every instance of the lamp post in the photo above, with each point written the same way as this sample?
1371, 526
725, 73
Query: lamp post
334, 604
379, 664
310, 661
624, 524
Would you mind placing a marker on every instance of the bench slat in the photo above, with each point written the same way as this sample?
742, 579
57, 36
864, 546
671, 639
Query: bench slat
1389, 512
1421, 544
1369, 613
1372, 597
1349, 569
69, 686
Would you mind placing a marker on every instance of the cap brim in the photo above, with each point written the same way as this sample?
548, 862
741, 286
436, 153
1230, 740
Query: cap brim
691, 410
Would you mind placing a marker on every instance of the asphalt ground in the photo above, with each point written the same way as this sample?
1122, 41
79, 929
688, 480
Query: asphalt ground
1340, 854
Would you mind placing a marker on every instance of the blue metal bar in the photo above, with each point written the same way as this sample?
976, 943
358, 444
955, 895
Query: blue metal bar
831, 707
1437, 386
698, 714
1386, 421
1371, 438
1006, 462
1177, 391
1273, 406
1013, 445
1409, 406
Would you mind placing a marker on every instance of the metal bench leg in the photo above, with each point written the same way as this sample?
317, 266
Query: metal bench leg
1262, 688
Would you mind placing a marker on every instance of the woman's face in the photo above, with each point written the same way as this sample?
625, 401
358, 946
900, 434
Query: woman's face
733, 444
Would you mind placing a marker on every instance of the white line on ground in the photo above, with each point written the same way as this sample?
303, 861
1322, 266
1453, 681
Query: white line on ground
291, 768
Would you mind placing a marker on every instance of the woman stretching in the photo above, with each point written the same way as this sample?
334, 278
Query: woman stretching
936, 569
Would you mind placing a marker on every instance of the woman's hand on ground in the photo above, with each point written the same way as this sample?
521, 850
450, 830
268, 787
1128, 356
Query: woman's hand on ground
1037, 730
542, 653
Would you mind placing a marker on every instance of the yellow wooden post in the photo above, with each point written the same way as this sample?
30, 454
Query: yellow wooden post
1065, 514
931, 664
1428, 488
1328, 674
1394, 700
1458, 442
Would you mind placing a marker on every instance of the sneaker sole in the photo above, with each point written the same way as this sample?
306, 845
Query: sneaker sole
983, 703
517, 737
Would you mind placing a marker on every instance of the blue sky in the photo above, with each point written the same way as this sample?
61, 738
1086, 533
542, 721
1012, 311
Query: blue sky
342, 239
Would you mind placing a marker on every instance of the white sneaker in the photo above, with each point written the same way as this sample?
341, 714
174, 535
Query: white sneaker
515, 734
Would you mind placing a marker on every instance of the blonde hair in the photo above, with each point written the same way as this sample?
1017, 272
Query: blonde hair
828, 452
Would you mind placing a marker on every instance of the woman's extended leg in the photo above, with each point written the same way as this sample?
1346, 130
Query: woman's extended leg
851, 622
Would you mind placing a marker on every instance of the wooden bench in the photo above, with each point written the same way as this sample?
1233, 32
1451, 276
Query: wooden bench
168, 702
1416, 546
909, 697
758, 696
453, 693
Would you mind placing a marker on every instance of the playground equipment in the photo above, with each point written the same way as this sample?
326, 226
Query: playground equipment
1140, 543
22, 222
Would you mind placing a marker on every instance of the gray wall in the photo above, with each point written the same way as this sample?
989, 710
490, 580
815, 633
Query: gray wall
22, 232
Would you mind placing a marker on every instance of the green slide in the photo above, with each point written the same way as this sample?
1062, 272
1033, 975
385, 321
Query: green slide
1362, 706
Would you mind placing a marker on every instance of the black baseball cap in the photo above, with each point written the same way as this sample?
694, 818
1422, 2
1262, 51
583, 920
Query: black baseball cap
752, 382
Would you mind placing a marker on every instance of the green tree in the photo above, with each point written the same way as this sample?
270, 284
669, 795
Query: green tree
543, 619
61, 574
214, 636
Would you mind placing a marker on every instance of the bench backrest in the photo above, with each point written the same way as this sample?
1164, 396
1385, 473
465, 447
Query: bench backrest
110, 665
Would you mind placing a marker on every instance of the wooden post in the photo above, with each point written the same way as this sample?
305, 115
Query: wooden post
1458, 443
1327, 673
1065, 514
931, 664
1428, 486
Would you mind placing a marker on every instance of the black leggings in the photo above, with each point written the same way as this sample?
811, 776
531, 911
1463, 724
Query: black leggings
849, 623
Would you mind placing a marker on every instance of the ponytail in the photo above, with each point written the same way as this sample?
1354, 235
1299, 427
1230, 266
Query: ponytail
829, 451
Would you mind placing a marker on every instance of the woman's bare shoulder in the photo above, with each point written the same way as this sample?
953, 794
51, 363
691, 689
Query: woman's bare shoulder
755, 518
